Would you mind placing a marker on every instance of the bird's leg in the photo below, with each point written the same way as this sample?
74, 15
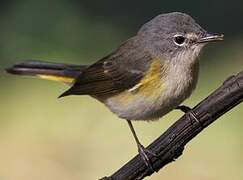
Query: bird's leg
184, 108
141, 149
187, 109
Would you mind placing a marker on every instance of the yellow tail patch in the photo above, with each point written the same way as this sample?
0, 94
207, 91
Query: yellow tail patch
56, 78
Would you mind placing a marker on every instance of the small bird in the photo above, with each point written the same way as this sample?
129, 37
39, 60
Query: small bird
146, 77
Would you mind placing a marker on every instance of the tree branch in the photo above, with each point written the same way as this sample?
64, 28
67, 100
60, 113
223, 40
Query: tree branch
170, 145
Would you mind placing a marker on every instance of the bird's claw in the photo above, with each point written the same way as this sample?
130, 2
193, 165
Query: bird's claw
143, 152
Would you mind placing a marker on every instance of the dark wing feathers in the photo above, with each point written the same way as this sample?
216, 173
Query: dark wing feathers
119, 71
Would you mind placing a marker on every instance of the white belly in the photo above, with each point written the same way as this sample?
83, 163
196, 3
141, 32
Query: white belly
178, 84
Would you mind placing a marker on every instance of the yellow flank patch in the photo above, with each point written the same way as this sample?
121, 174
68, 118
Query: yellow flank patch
149, 88
151, 84
56, 78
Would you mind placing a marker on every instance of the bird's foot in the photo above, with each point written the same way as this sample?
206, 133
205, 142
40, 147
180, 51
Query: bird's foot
184, 108
188, 110
143, 152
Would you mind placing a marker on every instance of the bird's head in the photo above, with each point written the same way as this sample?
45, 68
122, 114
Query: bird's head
176, 37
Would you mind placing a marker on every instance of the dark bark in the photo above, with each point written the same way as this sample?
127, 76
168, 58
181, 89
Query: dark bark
170, 145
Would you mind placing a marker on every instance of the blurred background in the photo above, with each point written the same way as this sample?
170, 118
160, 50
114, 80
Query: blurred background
73, 138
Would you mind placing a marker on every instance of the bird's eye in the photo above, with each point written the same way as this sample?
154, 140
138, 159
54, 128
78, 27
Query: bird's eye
179, 40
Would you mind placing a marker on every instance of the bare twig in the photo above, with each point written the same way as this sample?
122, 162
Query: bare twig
169, 146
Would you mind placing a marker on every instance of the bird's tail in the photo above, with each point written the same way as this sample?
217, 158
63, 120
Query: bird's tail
51, 71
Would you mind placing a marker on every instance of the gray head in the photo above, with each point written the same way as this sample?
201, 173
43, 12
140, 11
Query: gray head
175, 35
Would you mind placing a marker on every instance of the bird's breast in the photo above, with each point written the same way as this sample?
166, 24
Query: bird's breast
161, 90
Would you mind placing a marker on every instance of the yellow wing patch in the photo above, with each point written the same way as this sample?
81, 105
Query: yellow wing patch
152, 80
149, 88
56, 78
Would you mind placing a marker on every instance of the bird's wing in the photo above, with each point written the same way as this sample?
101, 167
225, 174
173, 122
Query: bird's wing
117, 72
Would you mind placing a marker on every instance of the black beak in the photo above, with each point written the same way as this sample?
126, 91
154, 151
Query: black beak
211, 38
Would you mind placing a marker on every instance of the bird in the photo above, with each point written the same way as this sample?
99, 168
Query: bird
146, 77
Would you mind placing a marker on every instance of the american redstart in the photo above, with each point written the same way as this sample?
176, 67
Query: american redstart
149, 75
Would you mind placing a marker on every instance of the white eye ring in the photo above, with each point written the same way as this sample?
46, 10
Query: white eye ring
179, 40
